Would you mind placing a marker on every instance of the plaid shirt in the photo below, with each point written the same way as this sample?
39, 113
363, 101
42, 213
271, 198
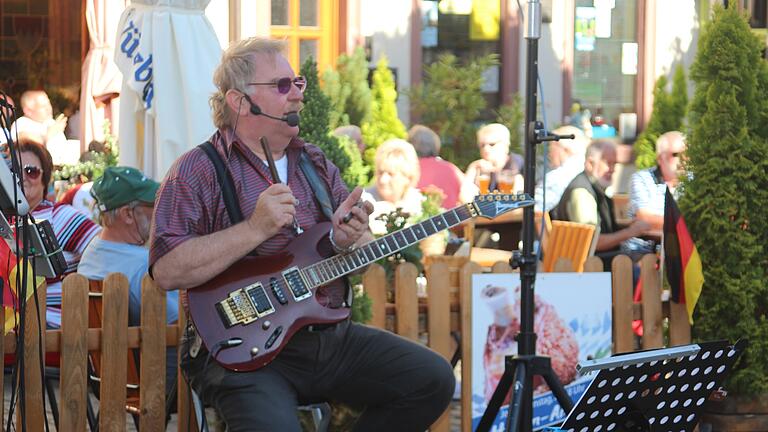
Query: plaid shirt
190, 204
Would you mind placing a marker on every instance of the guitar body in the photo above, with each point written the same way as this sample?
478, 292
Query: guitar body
264, 336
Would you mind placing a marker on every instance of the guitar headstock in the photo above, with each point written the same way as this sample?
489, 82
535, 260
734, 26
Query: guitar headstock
495, 204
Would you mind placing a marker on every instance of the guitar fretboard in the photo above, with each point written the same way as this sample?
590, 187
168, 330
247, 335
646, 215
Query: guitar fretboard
325, 271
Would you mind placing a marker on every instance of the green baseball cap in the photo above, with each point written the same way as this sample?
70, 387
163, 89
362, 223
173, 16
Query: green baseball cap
121, 185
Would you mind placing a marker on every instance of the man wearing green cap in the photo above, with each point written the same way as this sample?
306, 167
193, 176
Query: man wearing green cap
125, 199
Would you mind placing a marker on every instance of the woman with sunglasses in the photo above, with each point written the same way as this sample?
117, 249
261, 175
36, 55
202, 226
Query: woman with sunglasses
72, 228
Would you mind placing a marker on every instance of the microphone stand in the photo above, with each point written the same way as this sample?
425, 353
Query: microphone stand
520, 369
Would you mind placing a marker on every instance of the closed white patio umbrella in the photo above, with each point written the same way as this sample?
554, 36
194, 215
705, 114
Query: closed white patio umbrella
167, 51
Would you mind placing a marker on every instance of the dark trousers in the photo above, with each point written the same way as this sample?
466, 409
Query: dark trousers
399, 384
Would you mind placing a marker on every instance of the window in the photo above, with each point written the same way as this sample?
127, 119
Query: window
467, 29
310, 28
605, 58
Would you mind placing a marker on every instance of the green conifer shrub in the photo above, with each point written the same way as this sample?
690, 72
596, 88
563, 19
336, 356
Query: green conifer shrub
450, 101
725, 201
668, 114
383, 122
314, 129
348, 88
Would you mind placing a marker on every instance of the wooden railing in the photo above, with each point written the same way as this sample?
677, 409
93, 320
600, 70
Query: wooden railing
75, 340
429, 319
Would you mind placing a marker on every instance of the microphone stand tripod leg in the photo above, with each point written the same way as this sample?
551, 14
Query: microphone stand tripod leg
518, 391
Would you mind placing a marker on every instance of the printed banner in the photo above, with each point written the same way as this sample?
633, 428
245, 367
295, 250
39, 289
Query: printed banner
572, 323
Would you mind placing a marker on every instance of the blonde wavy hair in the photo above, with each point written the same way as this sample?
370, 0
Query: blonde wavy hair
398, 154
238, 64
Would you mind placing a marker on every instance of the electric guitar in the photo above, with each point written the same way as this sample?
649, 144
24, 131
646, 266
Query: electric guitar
246, 314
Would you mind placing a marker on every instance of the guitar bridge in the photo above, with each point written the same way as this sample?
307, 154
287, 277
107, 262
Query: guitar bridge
244, 306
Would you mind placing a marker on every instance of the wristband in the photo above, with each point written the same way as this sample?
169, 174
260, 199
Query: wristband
336, 247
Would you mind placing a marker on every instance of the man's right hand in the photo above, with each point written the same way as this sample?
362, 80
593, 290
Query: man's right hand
639, 227
57, 127
275, 209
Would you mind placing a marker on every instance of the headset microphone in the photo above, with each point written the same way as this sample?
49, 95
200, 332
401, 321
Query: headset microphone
291, 119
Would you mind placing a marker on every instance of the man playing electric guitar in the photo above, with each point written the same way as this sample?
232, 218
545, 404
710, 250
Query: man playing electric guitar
399, 385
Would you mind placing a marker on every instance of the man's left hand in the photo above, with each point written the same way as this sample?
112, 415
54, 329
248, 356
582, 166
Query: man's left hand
345, 234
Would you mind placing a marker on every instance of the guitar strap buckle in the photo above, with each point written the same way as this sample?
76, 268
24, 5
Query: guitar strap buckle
193, 340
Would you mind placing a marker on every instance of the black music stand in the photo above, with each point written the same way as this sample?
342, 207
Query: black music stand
649, 391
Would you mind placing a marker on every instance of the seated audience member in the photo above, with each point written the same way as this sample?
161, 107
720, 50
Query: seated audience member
354, 133
72, 229
496, 163
434, 170
396, 173
38, 119
565, 161
126, 199
648, 190
584, 201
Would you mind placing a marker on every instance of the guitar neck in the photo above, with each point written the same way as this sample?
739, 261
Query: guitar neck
323, 272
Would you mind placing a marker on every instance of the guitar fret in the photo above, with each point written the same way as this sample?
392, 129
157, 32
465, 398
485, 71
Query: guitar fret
355, 256
368, 253
438, 222
418, 232
383, 247
409, 236
400, 240
311, 273
428, 227
327, 271
391, 243
329, 268
374, 247
344, 263
452, 218
321, 272
348, 261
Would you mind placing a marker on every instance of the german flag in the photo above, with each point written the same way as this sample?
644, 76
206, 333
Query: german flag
684, 271
8, 279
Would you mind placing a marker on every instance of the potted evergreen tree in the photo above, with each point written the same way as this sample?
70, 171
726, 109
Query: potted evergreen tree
725, 203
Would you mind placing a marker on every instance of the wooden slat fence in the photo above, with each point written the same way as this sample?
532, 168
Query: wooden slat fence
74, 340
429, 319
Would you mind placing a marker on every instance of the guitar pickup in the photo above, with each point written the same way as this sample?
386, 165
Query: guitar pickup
296, 284
244, 306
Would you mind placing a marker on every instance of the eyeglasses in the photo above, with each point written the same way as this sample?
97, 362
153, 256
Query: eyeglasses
284, 84
32, 172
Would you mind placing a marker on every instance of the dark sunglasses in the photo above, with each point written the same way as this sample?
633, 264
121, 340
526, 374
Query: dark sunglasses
32, 172
284, 84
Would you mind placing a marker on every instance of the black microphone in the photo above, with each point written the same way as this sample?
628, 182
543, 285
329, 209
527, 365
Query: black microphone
291, 119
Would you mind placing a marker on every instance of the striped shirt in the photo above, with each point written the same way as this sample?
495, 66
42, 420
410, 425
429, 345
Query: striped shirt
190, 203
73, 231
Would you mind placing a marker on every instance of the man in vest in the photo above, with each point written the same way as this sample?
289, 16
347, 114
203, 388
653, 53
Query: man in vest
585, 201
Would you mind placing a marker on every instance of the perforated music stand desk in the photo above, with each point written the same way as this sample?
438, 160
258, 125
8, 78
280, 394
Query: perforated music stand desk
658, 390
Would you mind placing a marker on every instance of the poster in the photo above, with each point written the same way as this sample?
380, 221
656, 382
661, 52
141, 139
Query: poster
572, 323
585, 28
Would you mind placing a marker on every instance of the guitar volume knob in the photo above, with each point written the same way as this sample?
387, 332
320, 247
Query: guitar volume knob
254, 351
266, 325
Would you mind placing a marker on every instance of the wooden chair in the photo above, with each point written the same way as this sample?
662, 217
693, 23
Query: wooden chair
571, 240
547, 228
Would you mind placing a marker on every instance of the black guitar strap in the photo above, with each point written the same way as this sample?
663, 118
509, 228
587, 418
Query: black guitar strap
225, 182
318, 187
